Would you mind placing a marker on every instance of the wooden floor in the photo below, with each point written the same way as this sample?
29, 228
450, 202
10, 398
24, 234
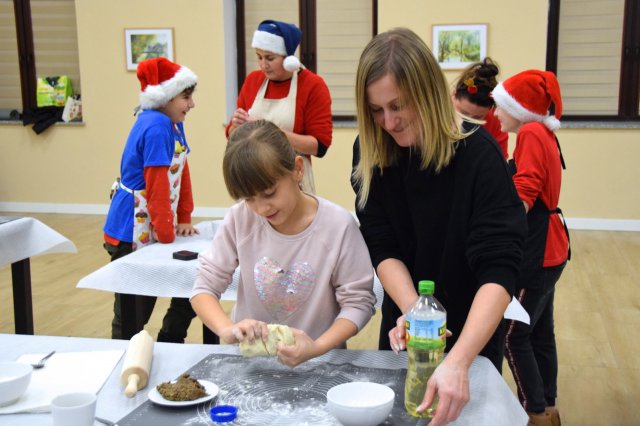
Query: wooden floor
597, 314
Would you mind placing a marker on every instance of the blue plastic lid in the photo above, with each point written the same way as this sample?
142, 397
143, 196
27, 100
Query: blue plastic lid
223, 413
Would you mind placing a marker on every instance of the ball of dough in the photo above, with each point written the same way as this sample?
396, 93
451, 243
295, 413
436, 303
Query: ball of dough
277, 333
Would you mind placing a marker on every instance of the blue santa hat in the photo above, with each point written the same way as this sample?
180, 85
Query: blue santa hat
280, 38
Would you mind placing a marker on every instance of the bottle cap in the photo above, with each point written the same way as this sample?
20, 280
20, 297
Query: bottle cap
426, 287
223, 413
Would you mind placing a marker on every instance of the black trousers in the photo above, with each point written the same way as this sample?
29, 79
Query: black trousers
531, 348
175, 322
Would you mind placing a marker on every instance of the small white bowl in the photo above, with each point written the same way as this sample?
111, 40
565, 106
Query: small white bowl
14, 380
360, 403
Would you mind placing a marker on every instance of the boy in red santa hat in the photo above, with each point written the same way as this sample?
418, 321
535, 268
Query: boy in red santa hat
152, 199
522, 106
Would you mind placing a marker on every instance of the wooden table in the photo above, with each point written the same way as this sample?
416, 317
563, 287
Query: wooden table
20, 239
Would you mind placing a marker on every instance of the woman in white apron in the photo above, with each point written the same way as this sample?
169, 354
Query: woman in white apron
295, 99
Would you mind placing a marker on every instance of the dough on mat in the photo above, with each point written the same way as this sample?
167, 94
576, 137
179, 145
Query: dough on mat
277, 333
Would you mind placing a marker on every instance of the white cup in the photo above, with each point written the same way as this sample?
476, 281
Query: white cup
74, 409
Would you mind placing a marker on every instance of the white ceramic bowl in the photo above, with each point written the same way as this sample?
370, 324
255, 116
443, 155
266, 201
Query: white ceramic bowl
14, 380
360, 403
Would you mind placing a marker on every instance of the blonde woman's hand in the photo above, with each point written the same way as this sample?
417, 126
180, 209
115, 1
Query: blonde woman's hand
397, 335
450, 382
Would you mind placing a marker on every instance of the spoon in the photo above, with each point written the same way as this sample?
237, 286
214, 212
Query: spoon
40, 363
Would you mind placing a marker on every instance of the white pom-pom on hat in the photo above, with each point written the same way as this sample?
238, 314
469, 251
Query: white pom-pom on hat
291, 63
280, 38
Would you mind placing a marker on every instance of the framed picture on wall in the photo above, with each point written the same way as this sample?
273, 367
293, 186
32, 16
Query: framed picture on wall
456, 46
147, 43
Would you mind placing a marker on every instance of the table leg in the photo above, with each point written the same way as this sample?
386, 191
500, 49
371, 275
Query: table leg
22, 302
209, 336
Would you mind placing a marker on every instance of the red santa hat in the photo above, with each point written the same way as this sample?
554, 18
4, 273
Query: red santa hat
527, 97
281, 38
162, 80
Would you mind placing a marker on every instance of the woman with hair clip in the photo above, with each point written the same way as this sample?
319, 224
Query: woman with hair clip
435, 201
472, 98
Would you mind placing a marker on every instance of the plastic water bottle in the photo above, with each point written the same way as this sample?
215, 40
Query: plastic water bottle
426, 324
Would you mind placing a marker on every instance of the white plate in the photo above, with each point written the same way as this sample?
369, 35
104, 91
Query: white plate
211, 389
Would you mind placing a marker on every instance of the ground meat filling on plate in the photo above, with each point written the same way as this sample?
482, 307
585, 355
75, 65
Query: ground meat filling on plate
186, 388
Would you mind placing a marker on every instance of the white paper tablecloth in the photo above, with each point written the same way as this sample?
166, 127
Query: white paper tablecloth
152, 271
169, 361
64, 372
492, 402
28, 237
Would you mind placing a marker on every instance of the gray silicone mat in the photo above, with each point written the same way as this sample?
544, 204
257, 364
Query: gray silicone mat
267, 393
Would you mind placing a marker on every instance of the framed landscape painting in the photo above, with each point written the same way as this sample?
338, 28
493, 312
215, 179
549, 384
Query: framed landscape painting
146, 43
456, 46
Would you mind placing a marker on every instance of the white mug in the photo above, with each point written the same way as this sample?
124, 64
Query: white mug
74, 409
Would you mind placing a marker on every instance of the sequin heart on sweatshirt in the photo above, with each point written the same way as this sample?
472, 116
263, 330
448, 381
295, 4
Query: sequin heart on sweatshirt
283, 292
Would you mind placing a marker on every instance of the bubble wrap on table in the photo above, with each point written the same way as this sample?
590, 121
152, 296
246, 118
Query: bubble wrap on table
28, 237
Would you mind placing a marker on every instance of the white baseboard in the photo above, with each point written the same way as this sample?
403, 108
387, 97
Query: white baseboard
603, 224
102, 209
577, 223
54, 208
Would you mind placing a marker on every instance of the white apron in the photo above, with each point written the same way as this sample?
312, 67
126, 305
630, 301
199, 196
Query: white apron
142, 235
282, 112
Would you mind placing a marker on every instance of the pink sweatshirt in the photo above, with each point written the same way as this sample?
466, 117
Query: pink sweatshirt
305, 281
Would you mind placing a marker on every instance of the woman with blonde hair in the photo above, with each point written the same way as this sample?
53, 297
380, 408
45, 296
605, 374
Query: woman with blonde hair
435, 201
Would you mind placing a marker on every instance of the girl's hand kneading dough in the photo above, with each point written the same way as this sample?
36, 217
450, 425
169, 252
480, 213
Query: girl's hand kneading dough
268, 344
304, 349
243, 331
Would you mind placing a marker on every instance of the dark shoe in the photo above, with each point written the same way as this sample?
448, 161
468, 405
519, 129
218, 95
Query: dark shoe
555, 415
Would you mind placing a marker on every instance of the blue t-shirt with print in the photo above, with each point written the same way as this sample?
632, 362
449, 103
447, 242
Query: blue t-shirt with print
151, 142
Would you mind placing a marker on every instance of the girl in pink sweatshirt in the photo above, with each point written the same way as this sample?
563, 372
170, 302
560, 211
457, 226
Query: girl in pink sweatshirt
303, 261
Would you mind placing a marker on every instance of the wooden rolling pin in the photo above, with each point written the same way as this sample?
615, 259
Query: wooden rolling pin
137, 363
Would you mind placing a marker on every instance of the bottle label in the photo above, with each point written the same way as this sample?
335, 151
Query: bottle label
425, 334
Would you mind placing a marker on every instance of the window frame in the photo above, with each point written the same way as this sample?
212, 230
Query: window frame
308, 45
629, 90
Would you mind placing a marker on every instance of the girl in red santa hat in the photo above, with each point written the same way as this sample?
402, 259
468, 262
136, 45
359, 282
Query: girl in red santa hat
523, 103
